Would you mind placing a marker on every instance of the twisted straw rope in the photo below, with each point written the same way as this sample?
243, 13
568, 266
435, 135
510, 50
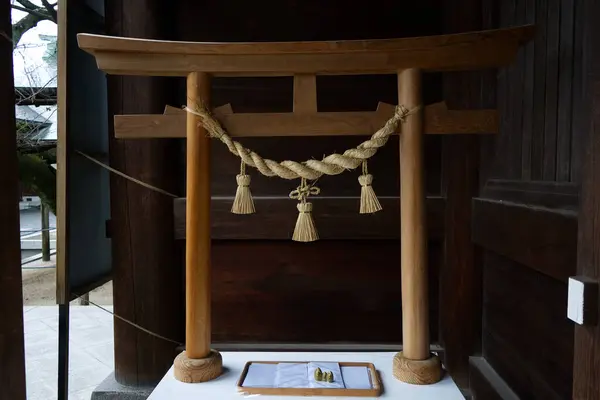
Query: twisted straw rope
333, 164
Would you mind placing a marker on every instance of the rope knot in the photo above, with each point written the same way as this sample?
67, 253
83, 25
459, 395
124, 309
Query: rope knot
304, 207
402, 112
243, 180
302, 192
365, 180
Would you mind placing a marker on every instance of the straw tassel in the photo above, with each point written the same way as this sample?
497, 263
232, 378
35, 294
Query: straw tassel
368, 200
305, 230
243, 203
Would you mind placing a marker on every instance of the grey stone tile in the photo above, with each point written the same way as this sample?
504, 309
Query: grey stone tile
83, 378
41, 342
91, 357
42, 390
98, 334
40, 313
105, 353
35, 326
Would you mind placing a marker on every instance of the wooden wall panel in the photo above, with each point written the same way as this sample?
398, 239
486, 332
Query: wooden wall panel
485, 383
526, 335
275, 291
460, 274
586, 360
335, 218
538, 238
537, 95
525, 216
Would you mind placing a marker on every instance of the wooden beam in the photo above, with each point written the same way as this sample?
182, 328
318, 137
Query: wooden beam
130, 56
438, 120
305, 94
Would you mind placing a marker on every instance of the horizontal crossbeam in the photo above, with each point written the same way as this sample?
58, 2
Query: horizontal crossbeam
438, 120
455, 52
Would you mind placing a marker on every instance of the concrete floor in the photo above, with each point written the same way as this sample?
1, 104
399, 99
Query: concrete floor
91, 357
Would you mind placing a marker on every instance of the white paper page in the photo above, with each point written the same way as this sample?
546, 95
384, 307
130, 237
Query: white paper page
338, 380
356, 377
291, 375
260, 375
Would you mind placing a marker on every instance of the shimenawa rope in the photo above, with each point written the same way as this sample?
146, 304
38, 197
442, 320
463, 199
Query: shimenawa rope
333, 164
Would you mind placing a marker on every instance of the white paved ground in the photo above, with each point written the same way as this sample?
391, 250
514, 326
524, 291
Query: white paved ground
91, 357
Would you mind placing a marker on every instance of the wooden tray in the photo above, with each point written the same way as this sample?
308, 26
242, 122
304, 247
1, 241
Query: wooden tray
375, 390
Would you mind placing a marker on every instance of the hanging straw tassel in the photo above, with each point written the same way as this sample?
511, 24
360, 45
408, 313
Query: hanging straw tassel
243, 203
305, 230
368, 200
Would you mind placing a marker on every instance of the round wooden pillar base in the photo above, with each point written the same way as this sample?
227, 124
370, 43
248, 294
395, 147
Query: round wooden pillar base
417, 372
190, 370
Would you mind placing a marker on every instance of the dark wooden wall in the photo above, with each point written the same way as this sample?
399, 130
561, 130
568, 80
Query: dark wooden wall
525, 216
12, 352
147, 263
266, 290
586, 376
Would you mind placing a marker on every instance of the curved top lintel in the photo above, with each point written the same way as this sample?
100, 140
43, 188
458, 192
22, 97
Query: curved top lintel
463, 51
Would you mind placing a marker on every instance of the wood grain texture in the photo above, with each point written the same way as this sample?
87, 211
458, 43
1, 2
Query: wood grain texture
359, 281
539, 96
417, 372
438, 120
578, 108
528, 96
551, 100
586, 379
527, 337
127, 56
539, 88
336, 218
540, 238
460, 274
196, 370
566, 82
305, 94
12, 353
460, 283
485, 383
62, 221
145, 291
198, 243
413, 228
557, 195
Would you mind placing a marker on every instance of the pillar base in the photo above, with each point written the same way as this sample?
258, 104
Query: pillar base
190, 370
417, 372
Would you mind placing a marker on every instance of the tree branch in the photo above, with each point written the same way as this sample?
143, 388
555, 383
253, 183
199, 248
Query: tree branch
50, 8
27, 4
38, 12
33, 17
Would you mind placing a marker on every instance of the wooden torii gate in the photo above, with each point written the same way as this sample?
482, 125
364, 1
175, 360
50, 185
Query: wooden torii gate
408, 58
